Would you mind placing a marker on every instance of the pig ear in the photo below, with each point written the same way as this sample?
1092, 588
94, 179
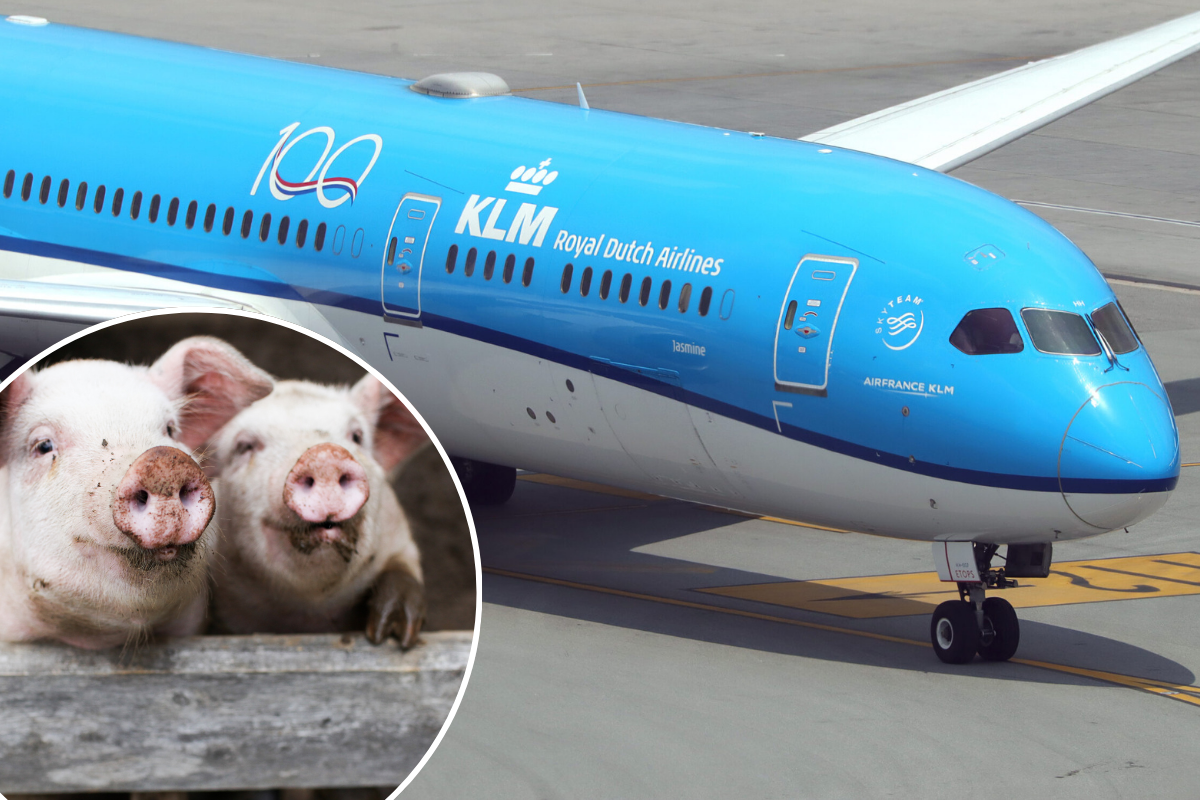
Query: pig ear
397, 432
11, 400
216, 380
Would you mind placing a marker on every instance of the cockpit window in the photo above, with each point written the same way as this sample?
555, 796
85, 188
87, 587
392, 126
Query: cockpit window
1110, 323
1060, 332
987, 331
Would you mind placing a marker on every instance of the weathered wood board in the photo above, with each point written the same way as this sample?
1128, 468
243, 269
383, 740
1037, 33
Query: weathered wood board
223, 712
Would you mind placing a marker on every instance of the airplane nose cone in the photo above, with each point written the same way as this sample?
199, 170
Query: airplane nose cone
1119, 458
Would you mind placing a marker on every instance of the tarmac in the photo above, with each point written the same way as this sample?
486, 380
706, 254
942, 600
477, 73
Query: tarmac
607, 667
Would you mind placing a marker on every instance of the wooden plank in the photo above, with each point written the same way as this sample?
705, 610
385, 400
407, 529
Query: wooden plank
223, 712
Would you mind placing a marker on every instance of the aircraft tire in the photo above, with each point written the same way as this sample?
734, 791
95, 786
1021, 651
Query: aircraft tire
998, 614
954, 632
485, 484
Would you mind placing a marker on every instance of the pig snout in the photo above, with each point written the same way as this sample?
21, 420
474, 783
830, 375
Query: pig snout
164, 501
327, 485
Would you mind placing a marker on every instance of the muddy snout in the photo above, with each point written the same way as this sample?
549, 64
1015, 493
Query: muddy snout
164, 502
327, 485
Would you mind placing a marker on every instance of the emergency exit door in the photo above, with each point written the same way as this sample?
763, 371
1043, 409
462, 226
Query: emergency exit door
807, 322
405, 253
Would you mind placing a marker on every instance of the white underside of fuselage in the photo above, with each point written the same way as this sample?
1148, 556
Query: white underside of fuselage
494, 404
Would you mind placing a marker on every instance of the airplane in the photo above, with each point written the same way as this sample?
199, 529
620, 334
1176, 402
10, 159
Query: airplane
828, 329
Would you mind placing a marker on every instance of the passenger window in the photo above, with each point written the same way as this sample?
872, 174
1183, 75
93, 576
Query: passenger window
626, 284
469, 266
247, 221
565, 283
664, 295
644, 294
8, 182
81, 196
451, 259
155, 202
118, 201
339, 239
1060, 332
1111, 324
605, 284
391, 253
727, 303
284, 224
63, 189
790, 316
585, 282
489, 265
685, 297
173, 211
190, 218
210, 216
44, 192
527, 273
705, 301
135, 205
986, 332
98, 199
264, 227
301, 233
27, 186
510, 264
319, 237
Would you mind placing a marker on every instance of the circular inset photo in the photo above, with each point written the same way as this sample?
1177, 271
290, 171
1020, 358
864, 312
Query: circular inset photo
232, 558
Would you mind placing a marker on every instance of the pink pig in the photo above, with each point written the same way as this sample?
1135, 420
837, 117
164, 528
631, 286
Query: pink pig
312, 536
105, 530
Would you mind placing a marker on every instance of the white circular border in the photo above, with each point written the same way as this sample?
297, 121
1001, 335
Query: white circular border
162, 312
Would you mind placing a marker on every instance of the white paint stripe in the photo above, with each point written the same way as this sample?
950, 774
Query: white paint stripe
1104, 213
1162, 287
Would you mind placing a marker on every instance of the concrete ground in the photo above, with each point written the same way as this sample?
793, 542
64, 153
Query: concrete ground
609, 675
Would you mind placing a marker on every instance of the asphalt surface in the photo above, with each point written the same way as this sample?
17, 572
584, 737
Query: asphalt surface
602, 671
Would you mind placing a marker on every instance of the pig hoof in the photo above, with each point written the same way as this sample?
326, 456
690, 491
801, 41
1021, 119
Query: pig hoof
397, 608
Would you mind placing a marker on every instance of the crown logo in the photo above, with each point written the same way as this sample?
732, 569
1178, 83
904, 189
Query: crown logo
531, 180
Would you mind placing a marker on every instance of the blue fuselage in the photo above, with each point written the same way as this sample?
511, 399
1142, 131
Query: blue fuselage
861, 374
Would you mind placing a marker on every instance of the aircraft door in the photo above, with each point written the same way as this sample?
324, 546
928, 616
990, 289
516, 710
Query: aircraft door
405, 254
807, 322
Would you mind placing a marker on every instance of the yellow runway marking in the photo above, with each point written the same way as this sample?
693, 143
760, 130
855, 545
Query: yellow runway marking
780, 520
599, 488
1186, 694
919, 592
567, 511
571, 483
670, 601
784, 73
1195, 464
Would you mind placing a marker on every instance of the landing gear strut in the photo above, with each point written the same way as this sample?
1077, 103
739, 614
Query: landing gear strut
975, 623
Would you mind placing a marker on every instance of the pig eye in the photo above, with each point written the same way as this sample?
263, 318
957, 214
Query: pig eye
171, 430
245, 446
43, 447
357, 437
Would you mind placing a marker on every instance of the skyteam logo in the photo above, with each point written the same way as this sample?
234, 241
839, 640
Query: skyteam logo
528, 225
901, 322
318, 181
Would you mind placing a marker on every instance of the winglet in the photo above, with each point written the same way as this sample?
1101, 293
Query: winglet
582, 100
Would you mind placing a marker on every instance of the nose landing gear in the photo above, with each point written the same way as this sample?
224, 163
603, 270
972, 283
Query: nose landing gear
974, 623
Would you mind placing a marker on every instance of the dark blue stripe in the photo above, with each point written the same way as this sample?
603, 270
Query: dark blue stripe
286, 291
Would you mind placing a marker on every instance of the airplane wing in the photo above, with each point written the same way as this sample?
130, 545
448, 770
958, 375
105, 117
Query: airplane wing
35, 315
87, 305
950, 128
